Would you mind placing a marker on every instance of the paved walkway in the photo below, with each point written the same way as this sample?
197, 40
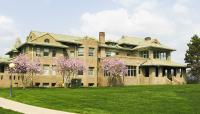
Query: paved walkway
27, 109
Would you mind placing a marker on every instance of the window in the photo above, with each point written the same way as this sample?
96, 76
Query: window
144, 54
80, 72
91, 71
38, 52
65, 54
53, 84
53, 53
106, 73
160, 55
90, 84
46, 52
45, 84
46, 41
1, 77
53, 71
80, 51
128, 54
71, 53
2, 69
37, 84
46, 69
131, 70
110, 53
91, 52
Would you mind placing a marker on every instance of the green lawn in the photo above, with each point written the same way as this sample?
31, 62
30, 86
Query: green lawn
165, 99
6, 111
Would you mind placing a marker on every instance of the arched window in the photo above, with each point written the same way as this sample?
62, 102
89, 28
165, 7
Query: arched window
46, 40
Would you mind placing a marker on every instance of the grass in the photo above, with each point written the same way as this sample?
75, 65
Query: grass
6, 111
160, 99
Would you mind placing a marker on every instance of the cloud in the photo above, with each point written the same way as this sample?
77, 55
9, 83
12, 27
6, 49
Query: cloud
8, 33
172, 22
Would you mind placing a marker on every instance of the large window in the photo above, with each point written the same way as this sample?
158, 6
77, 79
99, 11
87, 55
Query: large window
110, 53
131, 70
91, 52
160, 55
144, 54
80, 51
46, 69
91, 71
46, 51
38, 52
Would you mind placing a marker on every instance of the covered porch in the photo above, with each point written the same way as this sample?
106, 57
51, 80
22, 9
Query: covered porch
164, 72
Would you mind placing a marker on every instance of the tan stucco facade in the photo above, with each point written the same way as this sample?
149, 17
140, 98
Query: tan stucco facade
93, 51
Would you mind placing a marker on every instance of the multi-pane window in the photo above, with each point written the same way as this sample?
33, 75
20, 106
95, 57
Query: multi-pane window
53, 71
110, 53
91, 71
46, 69
131, 70
38, 52
53, 53
80, 51
80, 72
144, 54
72, 54
46, 51
160, 55
91, 51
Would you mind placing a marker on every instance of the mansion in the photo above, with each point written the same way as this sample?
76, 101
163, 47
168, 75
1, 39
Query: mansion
148, 61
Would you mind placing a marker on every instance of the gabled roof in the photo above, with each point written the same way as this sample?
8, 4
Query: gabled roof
141, 43
60, 37
155, 62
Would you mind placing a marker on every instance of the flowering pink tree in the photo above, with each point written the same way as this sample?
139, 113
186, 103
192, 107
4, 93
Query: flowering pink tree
25, 68
116, 69
68, 67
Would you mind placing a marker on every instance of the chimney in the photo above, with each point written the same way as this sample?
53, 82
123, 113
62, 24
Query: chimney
102, 37
147, 38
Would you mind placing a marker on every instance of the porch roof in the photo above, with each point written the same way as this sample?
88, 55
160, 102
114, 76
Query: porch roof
162, 63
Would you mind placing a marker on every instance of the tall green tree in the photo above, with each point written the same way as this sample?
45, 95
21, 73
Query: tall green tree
192, 57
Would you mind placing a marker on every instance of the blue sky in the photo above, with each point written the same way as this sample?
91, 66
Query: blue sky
173, 22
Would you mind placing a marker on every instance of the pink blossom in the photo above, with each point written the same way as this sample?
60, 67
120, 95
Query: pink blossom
114, 67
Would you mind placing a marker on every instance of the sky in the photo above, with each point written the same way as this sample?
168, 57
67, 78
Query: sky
172, 22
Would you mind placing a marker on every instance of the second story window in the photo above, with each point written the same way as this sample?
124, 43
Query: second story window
46, 51
38, 52
144, 54
53, 53
46, 41
91, 71
110, 53
91, 52
80, 51
160, 55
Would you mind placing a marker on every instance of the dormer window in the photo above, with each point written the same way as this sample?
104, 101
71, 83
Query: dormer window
46, 40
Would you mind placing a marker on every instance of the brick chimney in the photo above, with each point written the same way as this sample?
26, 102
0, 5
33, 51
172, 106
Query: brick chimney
102, 37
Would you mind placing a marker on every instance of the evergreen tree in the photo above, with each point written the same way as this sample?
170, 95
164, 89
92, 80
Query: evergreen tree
192, 57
